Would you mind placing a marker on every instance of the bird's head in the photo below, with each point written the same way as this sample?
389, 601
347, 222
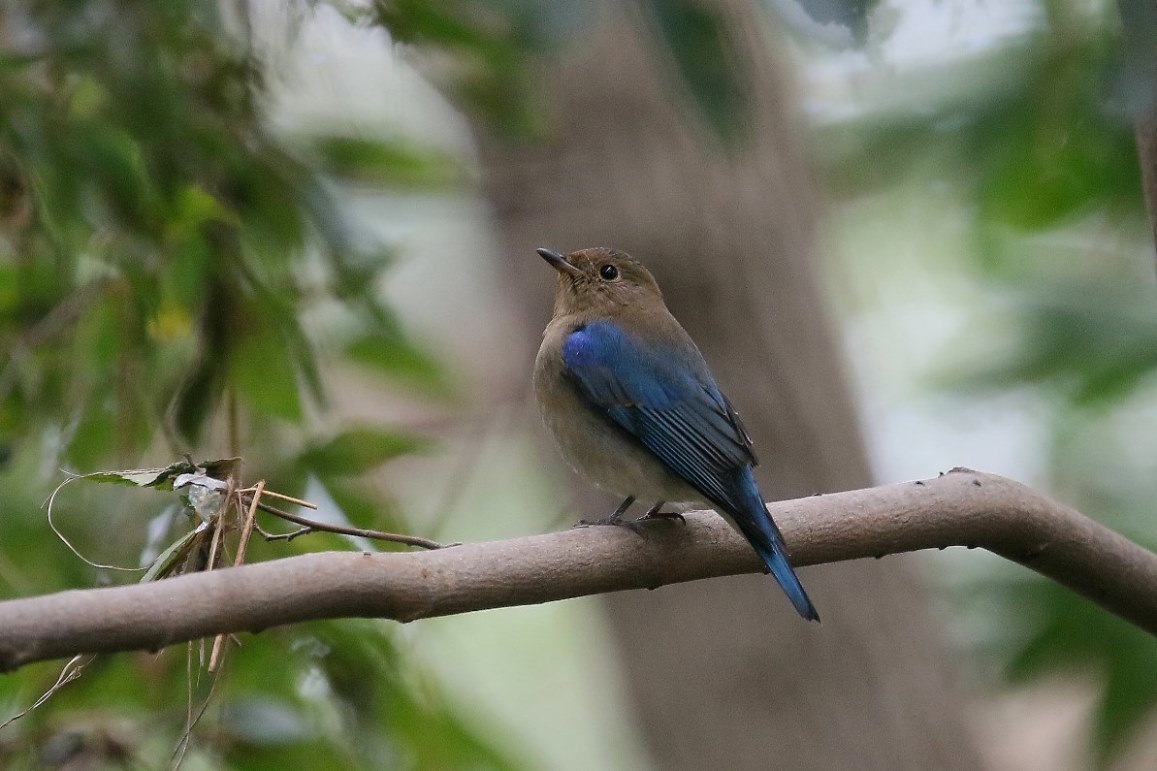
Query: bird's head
600, 281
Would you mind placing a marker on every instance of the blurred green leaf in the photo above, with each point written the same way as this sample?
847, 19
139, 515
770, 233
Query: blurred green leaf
393, 355
397, 162
425, 732
1069, 632
359, 450
160, 478
1094, 344
1055, 159
361, 504
171, 557
95, 436
262, 366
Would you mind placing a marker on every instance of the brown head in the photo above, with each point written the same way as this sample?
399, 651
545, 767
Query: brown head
600, 281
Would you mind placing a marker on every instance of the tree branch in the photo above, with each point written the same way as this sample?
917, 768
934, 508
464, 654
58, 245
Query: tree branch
961, 508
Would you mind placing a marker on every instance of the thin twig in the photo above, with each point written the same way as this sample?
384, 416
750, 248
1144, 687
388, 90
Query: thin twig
218, 532
408, 540
268, 536
191, 721
72, 670
250, 520
48, 505
289, 498
246, 533
287, 537
220, 524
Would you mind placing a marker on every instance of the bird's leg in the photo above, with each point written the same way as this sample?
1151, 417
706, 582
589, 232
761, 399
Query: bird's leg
655, 513
616, 518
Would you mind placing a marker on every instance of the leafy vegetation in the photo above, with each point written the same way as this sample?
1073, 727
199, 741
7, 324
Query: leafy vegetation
161, 250
1036, 136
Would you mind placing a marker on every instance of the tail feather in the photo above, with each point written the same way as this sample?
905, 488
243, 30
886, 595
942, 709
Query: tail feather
772, 555
760, 531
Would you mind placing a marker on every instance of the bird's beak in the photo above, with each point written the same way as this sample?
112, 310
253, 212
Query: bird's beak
558, 262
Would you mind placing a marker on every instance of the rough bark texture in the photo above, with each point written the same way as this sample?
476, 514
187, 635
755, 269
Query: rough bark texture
731, 239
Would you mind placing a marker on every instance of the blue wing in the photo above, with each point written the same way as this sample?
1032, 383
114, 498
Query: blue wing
668, 401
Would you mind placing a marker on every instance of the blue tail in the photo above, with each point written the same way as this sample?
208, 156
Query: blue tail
760, 531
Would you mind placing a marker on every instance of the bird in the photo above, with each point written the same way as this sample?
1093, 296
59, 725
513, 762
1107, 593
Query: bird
629, 400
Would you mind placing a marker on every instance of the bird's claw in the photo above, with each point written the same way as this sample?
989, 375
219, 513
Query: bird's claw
616, 517
630, 524
667, 515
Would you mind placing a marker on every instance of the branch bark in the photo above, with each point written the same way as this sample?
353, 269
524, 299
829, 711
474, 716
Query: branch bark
960, 508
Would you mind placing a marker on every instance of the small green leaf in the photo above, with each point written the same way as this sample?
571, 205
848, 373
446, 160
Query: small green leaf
164, 478
167, 560
138, 477
159, 478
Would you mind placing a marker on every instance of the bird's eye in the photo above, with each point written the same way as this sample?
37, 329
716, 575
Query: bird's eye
609, 272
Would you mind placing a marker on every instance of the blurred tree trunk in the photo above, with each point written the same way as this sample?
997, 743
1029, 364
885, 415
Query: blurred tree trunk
722, 672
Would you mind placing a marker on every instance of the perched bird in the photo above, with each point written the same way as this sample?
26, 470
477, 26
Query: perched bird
634, 409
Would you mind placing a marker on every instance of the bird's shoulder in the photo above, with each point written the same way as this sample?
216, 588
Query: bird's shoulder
657, 342
653, 381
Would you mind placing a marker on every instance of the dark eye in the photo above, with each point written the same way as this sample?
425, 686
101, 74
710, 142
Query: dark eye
609, 272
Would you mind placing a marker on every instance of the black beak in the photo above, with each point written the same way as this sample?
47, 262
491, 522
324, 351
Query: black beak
558, 262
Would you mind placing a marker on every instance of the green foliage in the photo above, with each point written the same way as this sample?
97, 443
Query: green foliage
154, 195
327, 695
160, 249
1038, 146
158, 233
1045, 156
1056, 149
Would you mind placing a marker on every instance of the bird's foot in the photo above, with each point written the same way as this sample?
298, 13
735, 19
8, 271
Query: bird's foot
667, 515
656, 512
616, 517
611, 520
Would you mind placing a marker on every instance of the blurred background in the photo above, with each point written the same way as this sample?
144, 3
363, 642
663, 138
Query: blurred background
907, 235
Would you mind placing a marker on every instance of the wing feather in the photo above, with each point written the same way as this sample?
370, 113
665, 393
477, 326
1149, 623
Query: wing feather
669, 403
